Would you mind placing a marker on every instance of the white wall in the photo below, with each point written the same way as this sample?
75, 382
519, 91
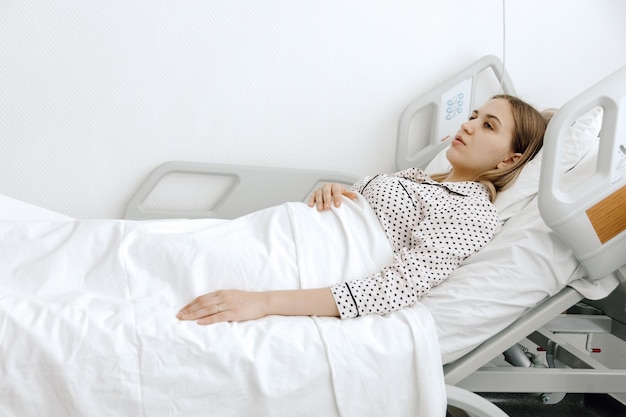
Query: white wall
94, 94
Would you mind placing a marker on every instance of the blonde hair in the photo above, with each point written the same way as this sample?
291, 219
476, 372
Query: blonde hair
528, 131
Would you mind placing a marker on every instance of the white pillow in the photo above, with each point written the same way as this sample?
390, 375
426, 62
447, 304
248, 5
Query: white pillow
579, 138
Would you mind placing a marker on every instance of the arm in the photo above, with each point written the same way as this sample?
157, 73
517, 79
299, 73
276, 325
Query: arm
434, 247
236, 305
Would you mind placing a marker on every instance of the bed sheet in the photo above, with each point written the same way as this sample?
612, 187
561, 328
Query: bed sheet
87, 319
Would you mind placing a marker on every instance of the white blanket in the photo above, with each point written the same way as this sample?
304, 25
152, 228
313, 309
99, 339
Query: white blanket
88, 327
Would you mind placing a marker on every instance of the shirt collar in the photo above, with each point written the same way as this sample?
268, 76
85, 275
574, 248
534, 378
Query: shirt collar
464, 188
467, 188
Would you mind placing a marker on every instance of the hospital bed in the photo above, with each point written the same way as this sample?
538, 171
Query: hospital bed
536, 289
515, 289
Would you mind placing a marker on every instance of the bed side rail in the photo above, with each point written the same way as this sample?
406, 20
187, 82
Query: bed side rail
591, 217
435, 115
242, 189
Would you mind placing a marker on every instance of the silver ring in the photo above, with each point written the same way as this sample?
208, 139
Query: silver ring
219, 309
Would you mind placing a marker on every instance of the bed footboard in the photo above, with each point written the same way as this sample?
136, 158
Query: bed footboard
247, 188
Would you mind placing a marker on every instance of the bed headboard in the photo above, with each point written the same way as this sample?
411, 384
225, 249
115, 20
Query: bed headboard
591, 217
435, 115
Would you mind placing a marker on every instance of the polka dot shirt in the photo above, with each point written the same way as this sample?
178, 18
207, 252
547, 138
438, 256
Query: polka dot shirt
432, 228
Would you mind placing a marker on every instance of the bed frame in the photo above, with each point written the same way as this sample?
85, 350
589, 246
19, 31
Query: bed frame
602, 251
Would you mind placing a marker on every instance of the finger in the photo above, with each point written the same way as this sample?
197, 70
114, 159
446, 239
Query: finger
195, 315
315, 197
350, 194
215, 318
338, 190
319, 199
198, 313
204, 312
327, 195
200, 305
220, 313
188, 307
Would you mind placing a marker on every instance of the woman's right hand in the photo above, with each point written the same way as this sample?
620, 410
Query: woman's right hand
328, 195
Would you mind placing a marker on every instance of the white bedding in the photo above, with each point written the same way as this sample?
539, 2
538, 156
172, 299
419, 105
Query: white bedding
88, 327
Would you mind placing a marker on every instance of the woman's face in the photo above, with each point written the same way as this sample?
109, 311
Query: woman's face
484, 142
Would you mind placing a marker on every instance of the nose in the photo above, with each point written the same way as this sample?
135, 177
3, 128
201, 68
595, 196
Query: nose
468, 127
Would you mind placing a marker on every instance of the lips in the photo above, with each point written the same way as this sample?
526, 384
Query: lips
459, 139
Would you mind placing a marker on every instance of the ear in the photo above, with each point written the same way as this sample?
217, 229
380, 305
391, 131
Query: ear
510, 160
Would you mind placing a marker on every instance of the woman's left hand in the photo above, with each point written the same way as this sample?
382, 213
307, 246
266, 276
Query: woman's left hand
225, 305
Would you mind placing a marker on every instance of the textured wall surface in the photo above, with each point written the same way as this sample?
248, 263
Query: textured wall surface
94, 94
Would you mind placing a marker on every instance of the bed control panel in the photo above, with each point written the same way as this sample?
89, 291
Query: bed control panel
455, 108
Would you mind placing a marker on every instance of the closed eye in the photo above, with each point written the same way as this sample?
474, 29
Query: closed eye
491, 117
486, 124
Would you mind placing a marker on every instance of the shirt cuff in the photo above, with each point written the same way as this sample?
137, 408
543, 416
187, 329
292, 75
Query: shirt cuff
346, 304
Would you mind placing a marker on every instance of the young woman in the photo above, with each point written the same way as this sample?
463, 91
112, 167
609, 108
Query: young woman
432, 222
